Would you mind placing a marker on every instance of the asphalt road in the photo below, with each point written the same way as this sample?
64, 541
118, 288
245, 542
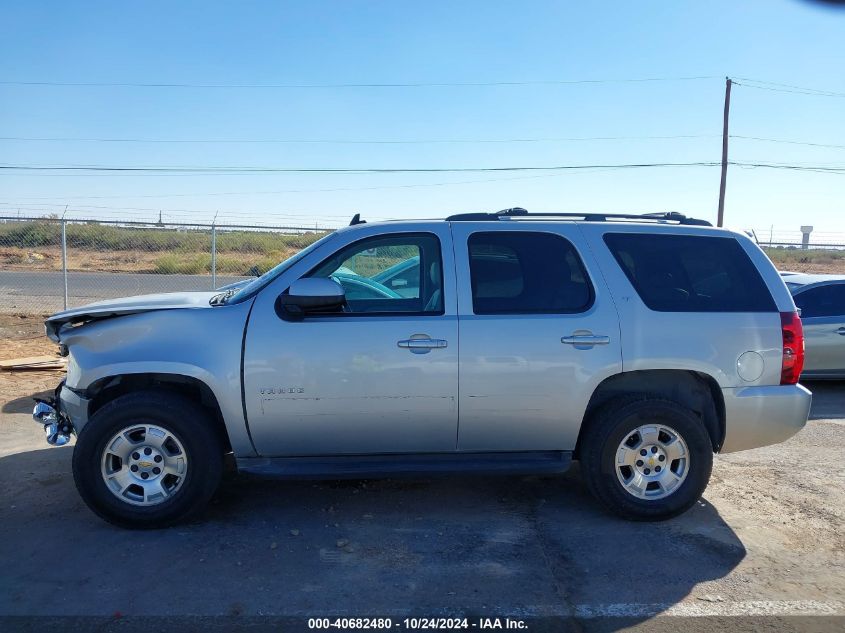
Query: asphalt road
23, 291
764, 549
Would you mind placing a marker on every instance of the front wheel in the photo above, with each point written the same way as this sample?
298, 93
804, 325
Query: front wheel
646, 458
147, 459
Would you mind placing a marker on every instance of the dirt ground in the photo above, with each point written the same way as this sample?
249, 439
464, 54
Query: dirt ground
763, 550
23, 336
827, 268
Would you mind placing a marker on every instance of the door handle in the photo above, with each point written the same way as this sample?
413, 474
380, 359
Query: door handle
841, 331
585, 339
422, 345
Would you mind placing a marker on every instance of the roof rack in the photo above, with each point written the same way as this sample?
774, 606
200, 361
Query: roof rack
519, 212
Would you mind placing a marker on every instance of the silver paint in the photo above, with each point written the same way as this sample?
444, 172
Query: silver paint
365, 391
522, 387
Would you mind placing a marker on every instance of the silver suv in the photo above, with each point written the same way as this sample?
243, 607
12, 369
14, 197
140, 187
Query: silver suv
496, 343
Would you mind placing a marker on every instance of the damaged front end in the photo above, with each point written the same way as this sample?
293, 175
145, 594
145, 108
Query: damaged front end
61, 415
57, 427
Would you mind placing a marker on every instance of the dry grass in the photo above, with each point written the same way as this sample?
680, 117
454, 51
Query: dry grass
50, 258
106, 248
808, 261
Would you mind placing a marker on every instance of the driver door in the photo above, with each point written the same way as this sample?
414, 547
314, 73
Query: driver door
379, 377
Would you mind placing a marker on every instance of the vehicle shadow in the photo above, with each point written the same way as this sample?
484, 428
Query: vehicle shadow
24, 404
519, 546
828, 399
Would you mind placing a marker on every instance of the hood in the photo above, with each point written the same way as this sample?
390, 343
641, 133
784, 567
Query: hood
129, 305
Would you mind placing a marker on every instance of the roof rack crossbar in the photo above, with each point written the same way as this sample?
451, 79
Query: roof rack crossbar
668, 216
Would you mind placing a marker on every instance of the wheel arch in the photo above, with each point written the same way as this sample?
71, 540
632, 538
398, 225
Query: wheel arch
106, 389
694, 390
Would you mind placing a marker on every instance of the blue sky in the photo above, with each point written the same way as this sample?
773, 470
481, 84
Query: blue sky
786, 41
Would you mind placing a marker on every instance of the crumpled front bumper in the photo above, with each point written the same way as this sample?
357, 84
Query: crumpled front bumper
61, 415
57, 428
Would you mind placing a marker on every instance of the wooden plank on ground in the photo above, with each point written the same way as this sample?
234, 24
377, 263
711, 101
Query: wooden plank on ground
34, 362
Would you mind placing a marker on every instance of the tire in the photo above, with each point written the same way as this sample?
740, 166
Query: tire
653, 425
184, 448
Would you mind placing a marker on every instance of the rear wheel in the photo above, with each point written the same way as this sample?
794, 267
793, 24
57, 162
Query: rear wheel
646, 458
148, 459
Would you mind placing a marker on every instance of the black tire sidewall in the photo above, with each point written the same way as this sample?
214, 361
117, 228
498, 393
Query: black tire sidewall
189, 423
616, 424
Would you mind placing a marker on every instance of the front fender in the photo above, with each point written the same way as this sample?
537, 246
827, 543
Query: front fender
204, 345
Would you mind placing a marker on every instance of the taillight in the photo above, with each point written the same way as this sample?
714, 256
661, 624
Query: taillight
793, 348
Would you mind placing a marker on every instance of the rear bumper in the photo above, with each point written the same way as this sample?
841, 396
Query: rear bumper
759, 416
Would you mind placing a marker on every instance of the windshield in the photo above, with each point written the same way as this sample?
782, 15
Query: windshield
247, 291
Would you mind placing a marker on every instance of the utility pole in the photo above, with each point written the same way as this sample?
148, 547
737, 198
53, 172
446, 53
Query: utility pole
721, 217
214, 252
64, 253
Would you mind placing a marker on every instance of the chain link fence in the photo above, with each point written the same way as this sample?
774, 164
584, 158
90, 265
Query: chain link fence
49, 264
810, 252
795, 239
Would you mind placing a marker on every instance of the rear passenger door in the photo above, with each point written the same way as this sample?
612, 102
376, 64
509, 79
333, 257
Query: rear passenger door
538, 332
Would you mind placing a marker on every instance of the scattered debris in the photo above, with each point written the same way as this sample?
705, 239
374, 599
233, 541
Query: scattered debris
710, 598
34, 363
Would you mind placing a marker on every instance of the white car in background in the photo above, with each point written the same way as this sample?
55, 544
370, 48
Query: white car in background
821, 299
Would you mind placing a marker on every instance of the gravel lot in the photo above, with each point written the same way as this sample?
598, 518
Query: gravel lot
764, 547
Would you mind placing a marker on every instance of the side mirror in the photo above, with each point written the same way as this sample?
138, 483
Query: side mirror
311, 294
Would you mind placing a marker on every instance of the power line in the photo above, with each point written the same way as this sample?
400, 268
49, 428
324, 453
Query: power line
797, 92
297, 86
813, 168
339, 170
178, 171
287, 191
781, 87
744, 81
36, 206
549, 139
789, 142
556, 170
352, 141
182, 213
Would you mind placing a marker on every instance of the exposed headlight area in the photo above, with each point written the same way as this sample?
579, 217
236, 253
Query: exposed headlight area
56, 427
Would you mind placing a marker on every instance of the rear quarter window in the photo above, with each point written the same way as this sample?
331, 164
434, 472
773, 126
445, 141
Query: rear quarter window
690, 273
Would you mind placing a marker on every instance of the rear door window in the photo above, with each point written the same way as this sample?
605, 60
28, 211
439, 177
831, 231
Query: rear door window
690, 273
523, 272
822, 301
